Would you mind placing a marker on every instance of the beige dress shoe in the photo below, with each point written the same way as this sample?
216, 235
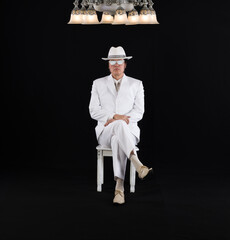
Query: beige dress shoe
144, 171
119, 197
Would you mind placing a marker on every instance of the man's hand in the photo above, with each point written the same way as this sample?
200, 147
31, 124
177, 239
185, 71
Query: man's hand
109, 121
118, 117
121, 117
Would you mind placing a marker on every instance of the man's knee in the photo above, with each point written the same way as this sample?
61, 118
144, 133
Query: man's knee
120, 123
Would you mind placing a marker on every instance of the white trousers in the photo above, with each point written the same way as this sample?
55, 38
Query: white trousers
118, 137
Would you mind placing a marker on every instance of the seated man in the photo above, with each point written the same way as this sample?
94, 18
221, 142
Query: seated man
117, 103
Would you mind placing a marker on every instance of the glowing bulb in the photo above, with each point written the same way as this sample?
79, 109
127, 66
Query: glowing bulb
153, 17
120, 16
144, 16
106, 18
133, 18
91, 17
75, 17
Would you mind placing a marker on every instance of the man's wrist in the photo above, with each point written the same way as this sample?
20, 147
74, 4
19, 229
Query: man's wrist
111, 116
115, 116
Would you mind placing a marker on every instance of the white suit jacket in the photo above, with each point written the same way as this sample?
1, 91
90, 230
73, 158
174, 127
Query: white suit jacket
106, 101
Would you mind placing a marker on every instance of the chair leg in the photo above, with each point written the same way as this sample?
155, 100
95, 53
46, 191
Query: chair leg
132, 178
99, 170
102, 168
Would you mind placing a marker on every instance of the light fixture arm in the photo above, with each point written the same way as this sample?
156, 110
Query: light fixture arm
119, 2
84, 3
90, 3
108, 2
144, 3
136, 3
150, 4
75, 3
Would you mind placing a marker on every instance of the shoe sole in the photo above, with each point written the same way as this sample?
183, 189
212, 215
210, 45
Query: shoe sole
118, 204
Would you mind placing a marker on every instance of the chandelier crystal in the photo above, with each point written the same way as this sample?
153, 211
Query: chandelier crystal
113, 12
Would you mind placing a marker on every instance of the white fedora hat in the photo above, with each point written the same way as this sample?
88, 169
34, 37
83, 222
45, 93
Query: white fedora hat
116, 53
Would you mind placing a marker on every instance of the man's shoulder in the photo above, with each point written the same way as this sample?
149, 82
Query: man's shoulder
100, 80
133, 80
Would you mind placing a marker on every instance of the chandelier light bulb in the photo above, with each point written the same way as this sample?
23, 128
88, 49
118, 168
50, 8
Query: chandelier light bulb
75, 17
83, 14
144, 15
107, 18
120, 16
153, 17
91, 16
133, 17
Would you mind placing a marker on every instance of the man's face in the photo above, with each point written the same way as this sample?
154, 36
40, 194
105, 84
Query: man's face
117, 69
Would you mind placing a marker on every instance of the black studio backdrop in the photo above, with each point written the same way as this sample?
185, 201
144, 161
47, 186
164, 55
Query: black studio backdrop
48, 67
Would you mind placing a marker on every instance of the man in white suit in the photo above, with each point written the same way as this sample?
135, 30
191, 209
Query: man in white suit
117, 103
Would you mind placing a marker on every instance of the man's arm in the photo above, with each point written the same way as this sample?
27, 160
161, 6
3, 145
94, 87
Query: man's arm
118, 117
137, 112
95, 108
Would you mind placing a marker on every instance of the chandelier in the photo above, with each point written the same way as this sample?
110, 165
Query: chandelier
113, 12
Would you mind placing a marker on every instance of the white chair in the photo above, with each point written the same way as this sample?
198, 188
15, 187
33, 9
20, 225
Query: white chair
107, 152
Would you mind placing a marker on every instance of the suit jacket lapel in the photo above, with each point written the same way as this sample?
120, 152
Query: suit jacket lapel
111, 85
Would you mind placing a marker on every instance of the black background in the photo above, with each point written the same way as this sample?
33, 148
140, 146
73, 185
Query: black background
47, 71
49, 66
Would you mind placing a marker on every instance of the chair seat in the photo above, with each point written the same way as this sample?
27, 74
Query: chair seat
100, 147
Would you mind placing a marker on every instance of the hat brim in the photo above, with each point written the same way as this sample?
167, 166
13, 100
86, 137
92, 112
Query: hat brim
106, 59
